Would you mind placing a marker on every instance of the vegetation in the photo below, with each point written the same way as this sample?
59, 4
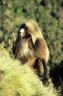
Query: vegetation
19, 80
49, 16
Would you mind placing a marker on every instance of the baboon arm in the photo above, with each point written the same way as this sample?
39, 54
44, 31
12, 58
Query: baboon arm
30, 43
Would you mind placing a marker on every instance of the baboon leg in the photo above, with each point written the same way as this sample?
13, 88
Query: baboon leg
41, 69
38, 67
46, 75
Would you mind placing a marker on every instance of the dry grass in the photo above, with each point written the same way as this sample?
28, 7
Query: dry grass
19, 80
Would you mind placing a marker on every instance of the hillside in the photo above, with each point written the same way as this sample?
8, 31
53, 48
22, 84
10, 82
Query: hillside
19, 80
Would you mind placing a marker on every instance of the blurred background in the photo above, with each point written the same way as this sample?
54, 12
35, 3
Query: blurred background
49, 16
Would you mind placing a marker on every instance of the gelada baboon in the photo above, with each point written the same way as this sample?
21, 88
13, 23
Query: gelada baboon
39, 46
22, 48
31, 47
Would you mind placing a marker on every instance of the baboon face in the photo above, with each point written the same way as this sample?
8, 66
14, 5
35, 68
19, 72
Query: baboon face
22, 32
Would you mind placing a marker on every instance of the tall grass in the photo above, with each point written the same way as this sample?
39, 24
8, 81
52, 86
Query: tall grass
19, 80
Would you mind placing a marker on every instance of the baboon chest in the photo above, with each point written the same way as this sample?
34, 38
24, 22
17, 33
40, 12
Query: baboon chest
25, 51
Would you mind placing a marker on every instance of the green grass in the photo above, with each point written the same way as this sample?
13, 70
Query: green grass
19, 80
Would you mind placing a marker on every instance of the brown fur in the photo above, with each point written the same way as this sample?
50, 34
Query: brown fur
39, 46
21, 51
